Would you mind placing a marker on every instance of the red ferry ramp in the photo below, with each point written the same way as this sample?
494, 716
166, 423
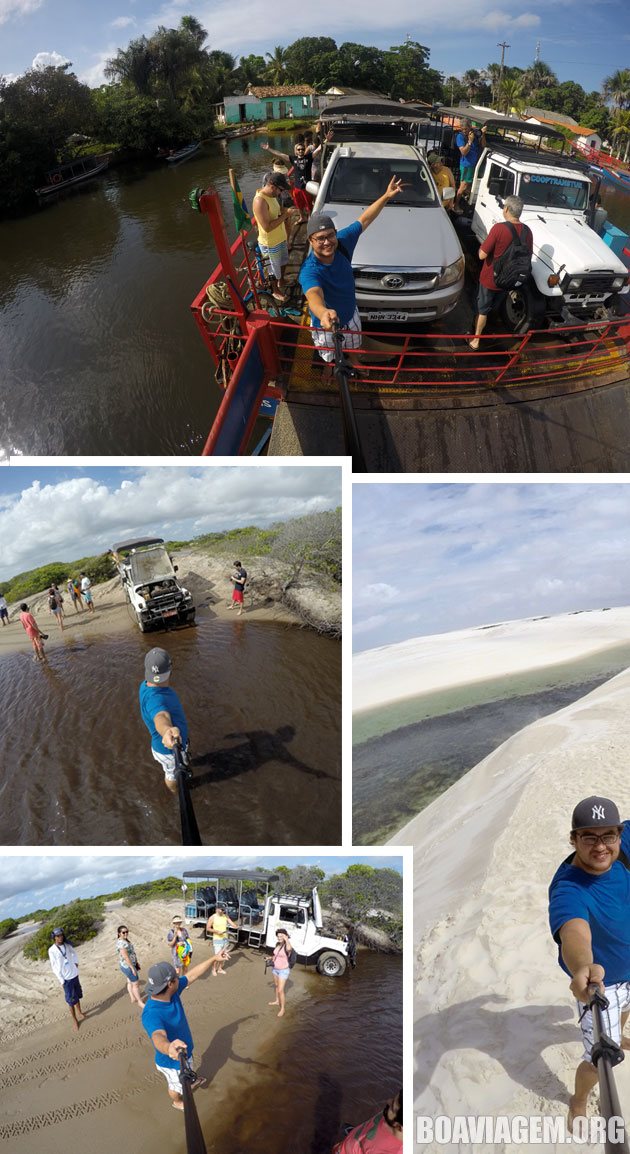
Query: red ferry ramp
540, 403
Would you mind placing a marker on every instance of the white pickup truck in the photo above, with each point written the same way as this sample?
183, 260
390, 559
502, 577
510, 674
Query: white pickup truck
575, 275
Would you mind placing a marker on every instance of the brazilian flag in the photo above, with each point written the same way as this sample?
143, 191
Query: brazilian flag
242, 218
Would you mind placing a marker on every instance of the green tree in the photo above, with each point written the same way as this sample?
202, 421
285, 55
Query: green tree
538, 75
80, 922
511, 98
360, 67
616, 88
276, 70
308, 60
134, 65
621, 132
410, 77
8, 926
363, 888
251, 70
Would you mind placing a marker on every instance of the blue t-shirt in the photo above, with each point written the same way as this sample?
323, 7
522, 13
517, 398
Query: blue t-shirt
154, 699
602, 900
336, 280
472, 156
170, 1017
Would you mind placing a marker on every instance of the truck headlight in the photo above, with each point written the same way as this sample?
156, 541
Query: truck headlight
452, 273
575, 282
618, 282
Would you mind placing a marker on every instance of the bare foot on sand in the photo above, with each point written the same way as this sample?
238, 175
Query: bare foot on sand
273, 1003
75, 1026
177, 1105
577, 1109
281, 1013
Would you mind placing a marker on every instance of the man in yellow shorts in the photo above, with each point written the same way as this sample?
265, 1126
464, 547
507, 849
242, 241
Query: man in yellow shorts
217, 925
272, 232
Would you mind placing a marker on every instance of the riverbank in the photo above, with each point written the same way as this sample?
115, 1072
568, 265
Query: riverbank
495, 1022
423, 665
57, 1084
314, 603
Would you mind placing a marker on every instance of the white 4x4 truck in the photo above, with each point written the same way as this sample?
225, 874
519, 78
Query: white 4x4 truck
149, 580
575, 275
249, 899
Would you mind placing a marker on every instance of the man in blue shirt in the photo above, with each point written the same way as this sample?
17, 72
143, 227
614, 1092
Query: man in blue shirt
469, 152
589, 903
163, 714
165, 1021
327, 279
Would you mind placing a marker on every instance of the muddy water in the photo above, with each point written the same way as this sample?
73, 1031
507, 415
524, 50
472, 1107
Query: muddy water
263, 707
340, 1059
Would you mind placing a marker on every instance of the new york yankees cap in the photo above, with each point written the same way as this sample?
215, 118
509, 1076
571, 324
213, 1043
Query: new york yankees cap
593, 812
157, 666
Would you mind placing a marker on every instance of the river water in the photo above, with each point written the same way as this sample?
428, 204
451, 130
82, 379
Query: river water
99, 353
340, 1059
408, 753
263, 707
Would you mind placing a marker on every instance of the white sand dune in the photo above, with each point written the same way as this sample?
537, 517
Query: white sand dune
495, 1030
425, 664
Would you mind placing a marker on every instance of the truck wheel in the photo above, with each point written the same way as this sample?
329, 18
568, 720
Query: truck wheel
523, 309
331, 965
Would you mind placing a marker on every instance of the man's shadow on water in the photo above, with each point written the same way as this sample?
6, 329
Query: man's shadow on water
221, 1050
509, 1037
260, 747
326, 1115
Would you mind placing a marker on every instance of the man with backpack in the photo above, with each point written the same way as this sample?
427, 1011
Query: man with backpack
507, 260
327, 279
589, 899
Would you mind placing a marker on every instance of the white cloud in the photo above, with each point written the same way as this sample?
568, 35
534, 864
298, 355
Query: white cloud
14, 9
122, 22
59, 520
49, 60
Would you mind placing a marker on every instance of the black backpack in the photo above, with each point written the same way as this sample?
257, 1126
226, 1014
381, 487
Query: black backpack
514, 266
292, 958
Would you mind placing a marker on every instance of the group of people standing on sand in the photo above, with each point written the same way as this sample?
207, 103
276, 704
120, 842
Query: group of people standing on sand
78, 589
163, 1017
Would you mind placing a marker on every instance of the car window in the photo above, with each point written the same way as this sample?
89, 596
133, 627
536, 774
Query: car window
360, 181
553, 191
502, 180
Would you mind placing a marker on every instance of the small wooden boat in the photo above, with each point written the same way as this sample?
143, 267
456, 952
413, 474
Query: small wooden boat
183, 153
75, 172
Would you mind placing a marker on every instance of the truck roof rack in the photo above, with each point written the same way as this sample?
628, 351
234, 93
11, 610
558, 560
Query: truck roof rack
519, 153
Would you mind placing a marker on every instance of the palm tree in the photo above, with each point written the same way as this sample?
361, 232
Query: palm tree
493, 73
193, 28
276, 70
511, 97
621, 131
538, 75
472, 82
616, 88
134, 65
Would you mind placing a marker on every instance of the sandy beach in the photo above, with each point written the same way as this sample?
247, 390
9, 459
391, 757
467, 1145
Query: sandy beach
98, 1089
207, 579
426, 664
495, 1025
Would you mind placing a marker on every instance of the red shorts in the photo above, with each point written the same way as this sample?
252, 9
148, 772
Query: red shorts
237, 595
302, 200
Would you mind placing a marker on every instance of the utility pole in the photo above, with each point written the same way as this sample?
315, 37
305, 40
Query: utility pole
503, 47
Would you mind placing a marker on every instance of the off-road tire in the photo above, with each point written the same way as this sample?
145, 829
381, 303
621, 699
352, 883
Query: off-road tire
331, 964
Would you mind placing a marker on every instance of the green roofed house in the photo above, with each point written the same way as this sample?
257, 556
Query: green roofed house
270, 103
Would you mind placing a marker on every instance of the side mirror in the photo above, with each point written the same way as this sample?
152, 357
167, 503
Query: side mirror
448, 194
312, 187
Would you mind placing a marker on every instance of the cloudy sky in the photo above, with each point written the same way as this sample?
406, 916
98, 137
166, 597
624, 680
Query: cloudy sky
62, 513
581, 40
434, 558
30, 883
